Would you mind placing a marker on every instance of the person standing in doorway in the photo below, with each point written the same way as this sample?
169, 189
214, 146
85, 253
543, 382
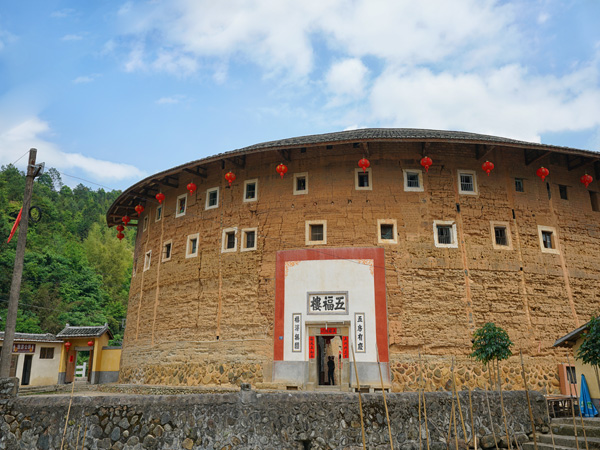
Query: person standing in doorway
330, 370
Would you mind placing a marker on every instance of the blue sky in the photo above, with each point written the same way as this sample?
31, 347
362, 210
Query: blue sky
114, 91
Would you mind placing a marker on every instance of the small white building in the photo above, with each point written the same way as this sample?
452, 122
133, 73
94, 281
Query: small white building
35, 358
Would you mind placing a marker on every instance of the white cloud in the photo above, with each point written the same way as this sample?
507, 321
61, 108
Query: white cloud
347, 78
72, 37
172, 100
85, 78
16, 138
62, 13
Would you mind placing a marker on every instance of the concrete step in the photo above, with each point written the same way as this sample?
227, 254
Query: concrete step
569, 441
593, 421
592, 429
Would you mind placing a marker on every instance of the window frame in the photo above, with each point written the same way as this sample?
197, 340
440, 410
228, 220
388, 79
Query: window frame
45, 350
394, 224
164, 258
498, 224
224, 234
522, 180
208, 192
308, 224
300, 175
472, 173
356, 176
187, 245
147, 260
554, 236
408, 188
245, 231
454, 235
246, 183
158, 213
177, 212
563, 189
145, 223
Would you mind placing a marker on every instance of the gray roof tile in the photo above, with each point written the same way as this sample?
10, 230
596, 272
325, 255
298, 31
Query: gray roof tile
77, 332
27, 337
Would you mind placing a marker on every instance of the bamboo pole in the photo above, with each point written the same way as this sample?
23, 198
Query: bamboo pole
487, 399
62, 443
362, 422
77, 441
420, 439
84, 433
473, 432
387, 414
454, 423
424, 402
528, 401
462, 422
550, 424
502, 405
577, 395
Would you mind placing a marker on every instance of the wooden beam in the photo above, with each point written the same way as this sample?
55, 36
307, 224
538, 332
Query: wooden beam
166, 182
365, 149
199, 171
538, 155
144, 195
239, 161
286, 154
481, 151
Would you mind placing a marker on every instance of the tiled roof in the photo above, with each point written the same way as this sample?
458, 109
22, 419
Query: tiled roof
568, 340
77, 332
27, 337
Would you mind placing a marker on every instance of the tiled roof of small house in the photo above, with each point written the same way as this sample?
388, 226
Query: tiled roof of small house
32, 337
568, 340
77, 332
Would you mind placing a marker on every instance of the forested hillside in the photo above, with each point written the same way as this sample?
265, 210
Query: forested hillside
76, 270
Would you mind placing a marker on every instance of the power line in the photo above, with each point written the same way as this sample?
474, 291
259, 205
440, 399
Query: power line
20, 158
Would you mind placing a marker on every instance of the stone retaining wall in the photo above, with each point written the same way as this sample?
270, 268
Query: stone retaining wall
251, 420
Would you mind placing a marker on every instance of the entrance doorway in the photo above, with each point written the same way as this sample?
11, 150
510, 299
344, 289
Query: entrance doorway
329, 360
26, 370
330, 355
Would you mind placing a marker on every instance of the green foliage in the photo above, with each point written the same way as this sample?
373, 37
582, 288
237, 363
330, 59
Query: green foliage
491, 343
75, 269
589, 351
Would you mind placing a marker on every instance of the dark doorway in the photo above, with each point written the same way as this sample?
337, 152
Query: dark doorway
26, 370
328, 348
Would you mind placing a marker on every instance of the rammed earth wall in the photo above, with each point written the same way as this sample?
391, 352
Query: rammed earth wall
251, 420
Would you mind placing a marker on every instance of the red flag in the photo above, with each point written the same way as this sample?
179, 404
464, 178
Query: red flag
15, 226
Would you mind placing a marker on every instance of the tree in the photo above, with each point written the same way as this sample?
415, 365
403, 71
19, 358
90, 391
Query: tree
589, 350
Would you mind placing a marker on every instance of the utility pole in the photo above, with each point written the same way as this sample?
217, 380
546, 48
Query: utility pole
15, 287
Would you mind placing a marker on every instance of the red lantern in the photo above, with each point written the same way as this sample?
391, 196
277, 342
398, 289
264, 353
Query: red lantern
281, 169
139, 209
160, 197
586, 179
126, 219
90, 343
230, 176
487, 167
67, 345
363, 164
120, 228
120, 235
191, 187
426, 162
542, 172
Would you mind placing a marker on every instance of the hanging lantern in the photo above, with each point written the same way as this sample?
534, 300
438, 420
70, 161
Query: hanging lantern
281, 169
139, 209
67, 345
426, 162
120, 235
90, 343
126, 219
120, 228
487, 167
363, 164
230, 176
586, 179
542, 172
191, 187
160, 197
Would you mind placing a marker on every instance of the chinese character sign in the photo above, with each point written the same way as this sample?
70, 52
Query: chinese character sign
359, 332
345, 347
23, 348
296, 332
311, 347
327, 303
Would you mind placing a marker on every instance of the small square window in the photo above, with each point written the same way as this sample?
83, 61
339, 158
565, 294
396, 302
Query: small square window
595, 200
501, 235
147, 260
519, 185
158, 213
229, 240
181, 205
248, 239
145, 225
47, 353
167, 248
300, 183
386, 231
444, 234
212, 198
548, 242
413, 180
467, 182
316, 232
191, 249
250, 190
362, 179
562, 190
